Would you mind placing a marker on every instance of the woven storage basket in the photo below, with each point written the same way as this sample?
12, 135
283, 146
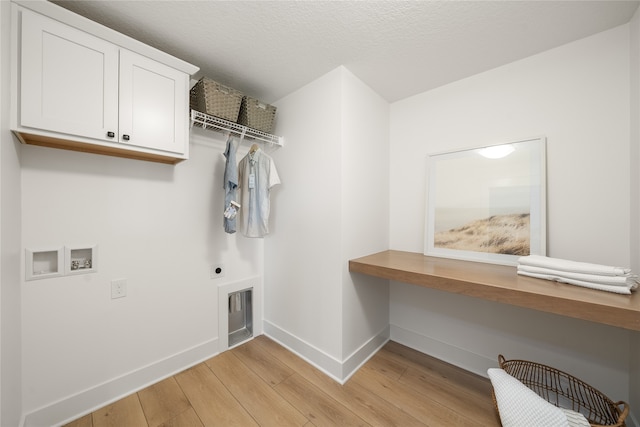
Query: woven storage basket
257, 115
214, 99
566, 391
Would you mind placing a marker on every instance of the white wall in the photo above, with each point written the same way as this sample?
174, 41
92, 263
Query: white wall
158, 226
634, 392
302, 255
320, 218
10, 340
578, 97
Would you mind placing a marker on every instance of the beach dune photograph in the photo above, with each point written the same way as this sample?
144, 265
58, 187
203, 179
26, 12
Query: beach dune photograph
500, 234
481, 205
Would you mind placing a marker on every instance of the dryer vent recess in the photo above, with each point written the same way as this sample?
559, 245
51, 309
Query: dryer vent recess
240, 316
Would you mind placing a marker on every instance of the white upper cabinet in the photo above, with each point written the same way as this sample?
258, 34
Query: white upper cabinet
77, 90
152, 104
69, 80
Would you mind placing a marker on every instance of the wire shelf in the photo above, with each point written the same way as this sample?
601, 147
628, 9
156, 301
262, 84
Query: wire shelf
206, 121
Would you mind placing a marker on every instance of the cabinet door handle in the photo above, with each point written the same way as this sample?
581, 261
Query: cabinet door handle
125, 137
110, 134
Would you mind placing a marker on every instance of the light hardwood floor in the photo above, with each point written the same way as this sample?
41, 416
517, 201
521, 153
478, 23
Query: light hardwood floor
260, 383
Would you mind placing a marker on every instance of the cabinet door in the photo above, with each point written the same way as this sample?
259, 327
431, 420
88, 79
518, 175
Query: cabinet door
69, 79
153, 104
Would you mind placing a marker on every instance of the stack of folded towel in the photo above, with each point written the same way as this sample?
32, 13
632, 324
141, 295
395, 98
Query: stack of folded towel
595, 276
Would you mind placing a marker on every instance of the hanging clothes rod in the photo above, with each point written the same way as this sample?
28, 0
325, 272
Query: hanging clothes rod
206, 121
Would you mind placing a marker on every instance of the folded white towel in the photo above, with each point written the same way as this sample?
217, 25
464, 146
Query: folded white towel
629, 280
625, 290
572, 266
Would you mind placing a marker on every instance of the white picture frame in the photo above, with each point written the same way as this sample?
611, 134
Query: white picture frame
488, 203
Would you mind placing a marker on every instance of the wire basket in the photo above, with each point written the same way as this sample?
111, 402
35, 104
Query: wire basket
257, 115
566, 391
215, 99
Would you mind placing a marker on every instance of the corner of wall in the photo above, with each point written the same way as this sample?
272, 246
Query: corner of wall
10, 292
634, 369
333, 120
634, 383
364, 208
339, 370
634, 56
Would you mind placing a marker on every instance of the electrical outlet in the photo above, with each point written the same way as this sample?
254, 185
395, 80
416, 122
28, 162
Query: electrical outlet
118, 288
217, 271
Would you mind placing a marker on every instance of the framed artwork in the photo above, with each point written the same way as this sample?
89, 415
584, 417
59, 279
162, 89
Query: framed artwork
487, 204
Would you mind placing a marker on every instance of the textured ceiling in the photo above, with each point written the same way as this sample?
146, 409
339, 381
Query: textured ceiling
268, 49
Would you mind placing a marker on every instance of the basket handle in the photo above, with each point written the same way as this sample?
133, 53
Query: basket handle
501, 360
625, 411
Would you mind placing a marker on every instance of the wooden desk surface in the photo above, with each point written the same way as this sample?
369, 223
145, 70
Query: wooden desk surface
502, 284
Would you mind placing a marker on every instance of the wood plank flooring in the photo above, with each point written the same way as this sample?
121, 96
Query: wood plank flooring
260, 383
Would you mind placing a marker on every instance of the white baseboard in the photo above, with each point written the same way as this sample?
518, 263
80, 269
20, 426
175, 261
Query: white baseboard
359, 357
318, 358
87, 401
440, 350
336, 369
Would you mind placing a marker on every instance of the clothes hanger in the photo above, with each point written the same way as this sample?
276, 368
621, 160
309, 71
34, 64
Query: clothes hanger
254, 148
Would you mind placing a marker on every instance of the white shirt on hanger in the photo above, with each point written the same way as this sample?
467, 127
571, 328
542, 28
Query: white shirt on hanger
257, 175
